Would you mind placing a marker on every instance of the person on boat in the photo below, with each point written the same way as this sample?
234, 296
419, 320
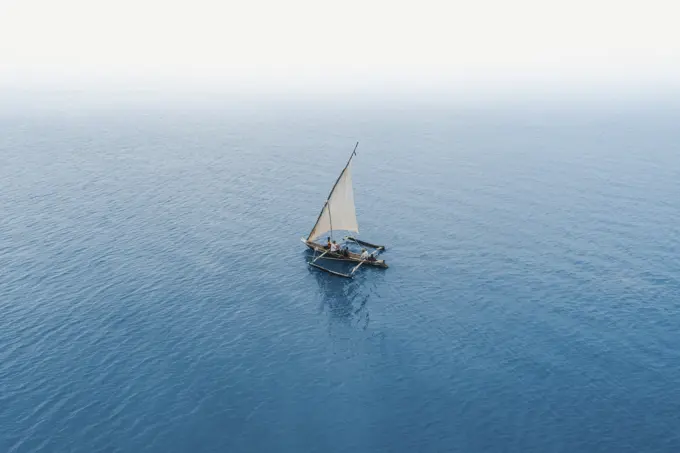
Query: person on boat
367, 256
335, 247
345, 252
328, 245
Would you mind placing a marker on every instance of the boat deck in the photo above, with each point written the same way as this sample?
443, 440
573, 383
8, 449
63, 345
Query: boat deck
353, 257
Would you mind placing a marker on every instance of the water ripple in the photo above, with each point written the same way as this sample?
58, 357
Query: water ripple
156, 297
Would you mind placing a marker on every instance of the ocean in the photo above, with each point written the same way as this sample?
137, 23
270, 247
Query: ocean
156, 297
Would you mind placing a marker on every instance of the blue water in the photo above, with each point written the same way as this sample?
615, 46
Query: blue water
155, 295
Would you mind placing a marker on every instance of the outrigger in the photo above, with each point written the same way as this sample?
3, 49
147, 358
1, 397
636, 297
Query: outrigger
339, 213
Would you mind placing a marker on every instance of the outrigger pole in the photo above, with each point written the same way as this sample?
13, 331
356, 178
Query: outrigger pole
367, 244
354, 269
315, 259
339, 274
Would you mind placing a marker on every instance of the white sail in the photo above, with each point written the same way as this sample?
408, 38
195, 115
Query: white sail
339, 212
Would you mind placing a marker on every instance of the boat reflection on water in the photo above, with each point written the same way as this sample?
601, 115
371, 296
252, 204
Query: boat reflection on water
343, 299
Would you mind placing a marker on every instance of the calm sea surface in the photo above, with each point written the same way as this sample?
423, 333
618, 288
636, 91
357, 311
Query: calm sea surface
155, 296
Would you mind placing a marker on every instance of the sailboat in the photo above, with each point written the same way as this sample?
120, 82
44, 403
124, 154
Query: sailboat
339, 214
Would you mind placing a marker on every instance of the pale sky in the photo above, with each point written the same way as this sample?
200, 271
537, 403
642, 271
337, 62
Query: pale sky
342, 43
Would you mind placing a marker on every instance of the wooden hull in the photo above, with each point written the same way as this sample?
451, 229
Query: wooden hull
352, 258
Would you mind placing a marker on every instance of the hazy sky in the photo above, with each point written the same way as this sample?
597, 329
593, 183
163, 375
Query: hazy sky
331, 45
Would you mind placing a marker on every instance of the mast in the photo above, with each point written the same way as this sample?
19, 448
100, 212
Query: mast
330, 217
327, 203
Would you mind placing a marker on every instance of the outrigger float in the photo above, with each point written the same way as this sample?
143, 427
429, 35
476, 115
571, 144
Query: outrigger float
338, 213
